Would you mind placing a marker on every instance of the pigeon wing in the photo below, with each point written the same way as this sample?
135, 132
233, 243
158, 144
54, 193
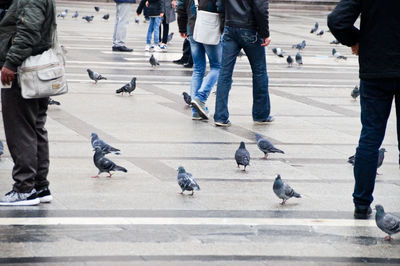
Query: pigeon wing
391, 223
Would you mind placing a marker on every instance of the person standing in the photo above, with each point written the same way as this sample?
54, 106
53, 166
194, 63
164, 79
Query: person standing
201, 84
247, 28
155, 12
377, 43
121, 25
169, 17
186, 58
26, 29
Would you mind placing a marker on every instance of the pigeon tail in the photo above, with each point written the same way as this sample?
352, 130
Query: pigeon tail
296, 195
120, 168
275, 150
119, 90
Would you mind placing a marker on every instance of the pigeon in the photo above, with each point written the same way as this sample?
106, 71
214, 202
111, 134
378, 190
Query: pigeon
105, 148
63, 14
170, 36
320, 33
337, 55
387, 222
137, 21
355, 92
1, 148
278, 51
75, 15
106, 16
299, 59
95, 76
104, 164
266, 146
240, 54
186, 181
334, 42
283, 190
242, 156
53, 102
381, 157
289, 60
97, 8
88, 18
187, 98
300, 46
128, 87
315, 28
153, 61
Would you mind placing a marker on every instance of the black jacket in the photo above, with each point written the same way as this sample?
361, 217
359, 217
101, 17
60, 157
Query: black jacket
153, 10
248, 14
379, 34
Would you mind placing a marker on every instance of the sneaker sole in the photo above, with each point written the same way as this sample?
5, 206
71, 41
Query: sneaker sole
21, 203
199, 110
218, 124
197, 118
46, 199
262, 123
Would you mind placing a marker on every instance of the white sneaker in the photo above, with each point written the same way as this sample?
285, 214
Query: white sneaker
157, 49
163, 48
147, 48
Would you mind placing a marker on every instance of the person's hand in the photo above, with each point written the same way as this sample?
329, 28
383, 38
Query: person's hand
7, 76
138, 14
266, 41
354, 48
173, 4
183, 34
161, 14
147, 3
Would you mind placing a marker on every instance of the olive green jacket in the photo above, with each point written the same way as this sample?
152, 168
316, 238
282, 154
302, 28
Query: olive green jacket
26, 29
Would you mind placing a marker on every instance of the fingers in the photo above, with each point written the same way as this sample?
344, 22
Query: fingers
7, 76
266, 41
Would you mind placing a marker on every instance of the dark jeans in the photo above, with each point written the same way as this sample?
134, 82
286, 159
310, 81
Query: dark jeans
376, 97
165, 25
26, 138
235, 39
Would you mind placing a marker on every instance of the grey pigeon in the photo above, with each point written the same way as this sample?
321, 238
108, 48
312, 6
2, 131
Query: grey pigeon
75, 15
334, 42
283, 190
337, 55
1, 148
53, 102
186, 181
300, 46
289, 60
88, 18
315, 28
137, 21
104, 164
299, 59
97, 8
105, 148
187, 98
129, 87
153, 61
106, 16
266, 146
320, 33
242, 156
387, 222
278, 51
63, 14
381, 157
170, 36
94, 76
355, 92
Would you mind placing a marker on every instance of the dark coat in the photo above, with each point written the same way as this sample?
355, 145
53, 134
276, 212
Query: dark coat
153, 10
378, 36
125, 1
169, 12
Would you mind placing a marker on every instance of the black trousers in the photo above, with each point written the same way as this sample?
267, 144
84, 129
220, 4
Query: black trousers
165, 31
26, 138
187, 53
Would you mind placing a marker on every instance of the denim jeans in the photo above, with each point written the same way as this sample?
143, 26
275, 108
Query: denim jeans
154, 26
201, 86
376, 97
235, 39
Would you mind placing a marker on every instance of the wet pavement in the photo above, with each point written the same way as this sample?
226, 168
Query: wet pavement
138, 218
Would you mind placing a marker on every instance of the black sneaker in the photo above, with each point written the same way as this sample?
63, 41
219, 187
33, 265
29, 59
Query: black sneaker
14, 198
44, 195
362, 213
188, 65
121, 49
179, 62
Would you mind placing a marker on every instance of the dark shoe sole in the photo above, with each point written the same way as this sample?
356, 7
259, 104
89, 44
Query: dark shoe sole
199, 110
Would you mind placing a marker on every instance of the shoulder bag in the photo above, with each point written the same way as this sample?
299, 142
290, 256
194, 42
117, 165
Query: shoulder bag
207, 26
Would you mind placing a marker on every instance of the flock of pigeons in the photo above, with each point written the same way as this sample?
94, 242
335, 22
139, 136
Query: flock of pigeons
64, 14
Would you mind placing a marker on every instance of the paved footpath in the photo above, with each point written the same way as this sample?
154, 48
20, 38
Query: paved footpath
139, 218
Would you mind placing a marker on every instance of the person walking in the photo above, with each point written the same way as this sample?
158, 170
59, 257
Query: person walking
186, 58
247, 28
155, 12
122, 16
377, 43
26, 29
169, 17
201, 84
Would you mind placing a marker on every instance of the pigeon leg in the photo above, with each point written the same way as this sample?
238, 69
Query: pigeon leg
181, 193
238, 166
96, 176
265, 156
192, 193
388, 238
109, 176
283, 202
244, 169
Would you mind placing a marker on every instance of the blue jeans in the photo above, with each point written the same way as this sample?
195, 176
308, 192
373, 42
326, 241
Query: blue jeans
201, 87
235, 39
376, 97
154, 26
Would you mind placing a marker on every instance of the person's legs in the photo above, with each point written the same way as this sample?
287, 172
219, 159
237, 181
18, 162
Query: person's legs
230, 50
43, 162
156, 27
199, 70
397, 101
165, 32
150, 30
121, 24
376, 98
256, 55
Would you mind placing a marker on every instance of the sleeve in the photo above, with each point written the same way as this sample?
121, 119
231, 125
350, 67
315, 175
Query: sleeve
182, 15
30, 18
341, 22
140, 7
261, 13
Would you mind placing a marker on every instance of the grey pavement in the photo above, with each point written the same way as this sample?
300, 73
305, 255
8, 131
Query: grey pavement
138, 218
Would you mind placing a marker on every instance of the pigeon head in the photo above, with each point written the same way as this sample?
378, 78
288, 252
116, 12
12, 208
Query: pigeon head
382, 150
242, 146
89, 71
278, 177
94, 135
181, 170
258, 137
379, 209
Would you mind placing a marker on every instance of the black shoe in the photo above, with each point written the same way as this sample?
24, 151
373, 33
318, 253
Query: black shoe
362, 212
188, 65
121, 49
44, 195
179, 62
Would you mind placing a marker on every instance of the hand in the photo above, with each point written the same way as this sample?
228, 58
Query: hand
266, 41
7, 76
173, 4
147, 3
183, 34
354, 48
138, 14
161, 14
